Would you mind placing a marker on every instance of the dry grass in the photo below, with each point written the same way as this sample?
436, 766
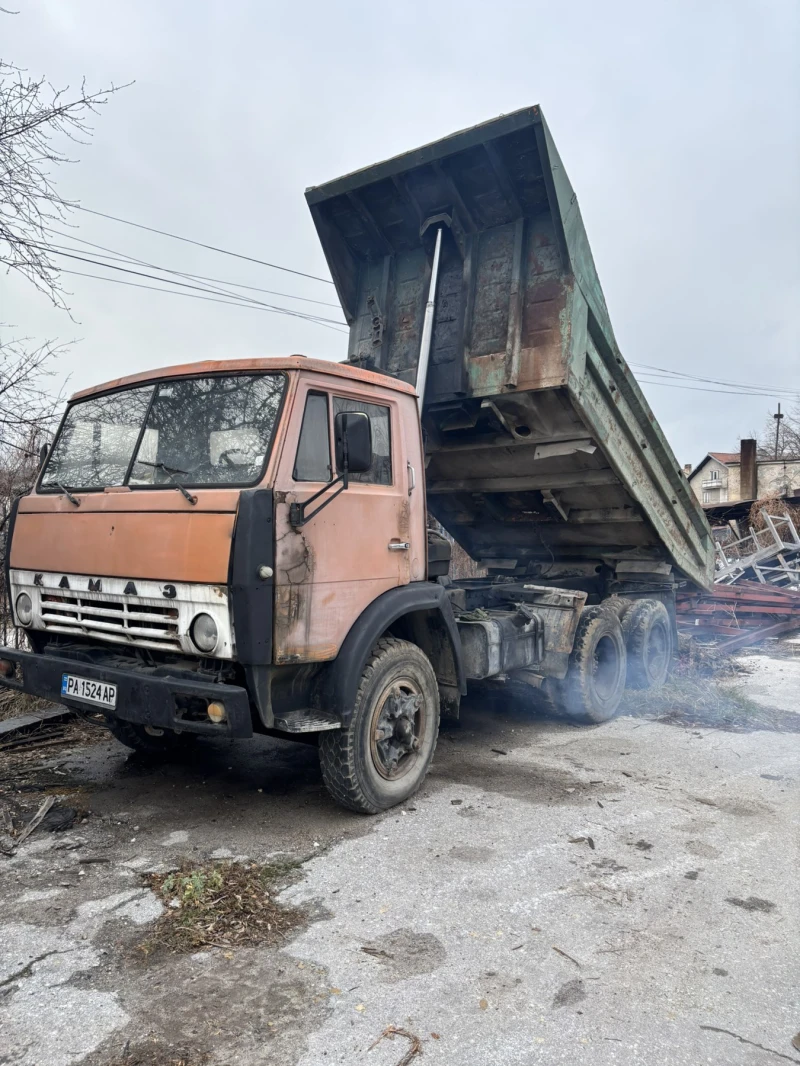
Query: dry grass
13, 704
157, 1053
222, 905
698, 702
24, 755
702, 691
773, 504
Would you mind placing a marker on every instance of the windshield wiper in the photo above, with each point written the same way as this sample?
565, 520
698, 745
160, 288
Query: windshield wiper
171, 472
67, 493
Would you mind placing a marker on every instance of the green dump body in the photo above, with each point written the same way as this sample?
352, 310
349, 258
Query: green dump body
542, 450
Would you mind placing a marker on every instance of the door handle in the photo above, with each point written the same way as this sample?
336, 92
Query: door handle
399, 545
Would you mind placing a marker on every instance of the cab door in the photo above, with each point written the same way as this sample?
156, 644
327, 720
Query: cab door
359, 545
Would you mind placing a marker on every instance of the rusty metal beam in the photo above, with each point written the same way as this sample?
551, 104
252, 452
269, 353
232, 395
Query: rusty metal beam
503, 179
515, 305
525, 484
402, 190
370, 224
589, 515
755, 636
463, 211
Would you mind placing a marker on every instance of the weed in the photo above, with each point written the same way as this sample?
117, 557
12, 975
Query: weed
228, 904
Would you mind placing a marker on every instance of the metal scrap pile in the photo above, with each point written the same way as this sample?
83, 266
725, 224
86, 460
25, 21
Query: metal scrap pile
739, 615
769, 553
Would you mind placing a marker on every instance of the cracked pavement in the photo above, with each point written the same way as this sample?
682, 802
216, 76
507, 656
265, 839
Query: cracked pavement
553, 895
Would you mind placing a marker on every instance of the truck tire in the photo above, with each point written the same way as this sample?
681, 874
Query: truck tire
620, 605
591, 691
135, 736
382, 756
647, 630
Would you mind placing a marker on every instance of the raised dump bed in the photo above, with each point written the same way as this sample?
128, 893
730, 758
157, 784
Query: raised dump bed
544, 458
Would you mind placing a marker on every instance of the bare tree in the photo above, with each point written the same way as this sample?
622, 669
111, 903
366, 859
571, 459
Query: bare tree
37, 122
780, 437
26, 405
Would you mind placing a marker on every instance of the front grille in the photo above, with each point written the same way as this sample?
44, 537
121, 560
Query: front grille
112, 618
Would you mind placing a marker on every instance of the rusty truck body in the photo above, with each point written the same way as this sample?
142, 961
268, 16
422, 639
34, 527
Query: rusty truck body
239, 547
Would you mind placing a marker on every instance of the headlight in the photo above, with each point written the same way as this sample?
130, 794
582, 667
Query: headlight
203, 631
24, 609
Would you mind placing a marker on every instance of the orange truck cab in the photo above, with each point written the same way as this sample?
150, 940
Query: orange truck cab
240, 547
192, 561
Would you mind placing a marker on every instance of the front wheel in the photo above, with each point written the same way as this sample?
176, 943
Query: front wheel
382, 756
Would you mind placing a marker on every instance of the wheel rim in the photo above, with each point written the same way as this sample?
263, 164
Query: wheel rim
397, 729
605, 668
657, 650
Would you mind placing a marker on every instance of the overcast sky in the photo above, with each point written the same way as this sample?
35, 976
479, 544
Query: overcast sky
677, 123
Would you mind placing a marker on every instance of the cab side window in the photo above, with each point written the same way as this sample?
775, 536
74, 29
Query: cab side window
313, 460
380, 473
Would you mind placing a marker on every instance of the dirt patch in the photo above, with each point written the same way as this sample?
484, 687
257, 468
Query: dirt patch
404, 953
570, 993
752, 903
467, 853
222, 905
157, 1053
752, 809
701, 849
535, 784
16, 813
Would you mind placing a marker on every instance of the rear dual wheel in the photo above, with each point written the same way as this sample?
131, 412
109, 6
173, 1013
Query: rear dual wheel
648, 634
595, 679
382, 756
647, 630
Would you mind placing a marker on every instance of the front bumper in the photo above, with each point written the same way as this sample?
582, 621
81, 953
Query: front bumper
146, 697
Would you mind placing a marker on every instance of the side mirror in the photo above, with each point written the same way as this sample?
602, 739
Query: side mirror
352, 434
353, 437
44, 451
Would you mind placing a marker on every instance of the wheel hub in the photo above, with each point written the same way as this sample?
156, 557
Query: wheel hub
396, 734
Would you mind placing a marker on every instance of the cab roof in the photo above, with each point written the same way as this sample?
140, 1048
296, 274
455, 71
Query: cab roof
237, 366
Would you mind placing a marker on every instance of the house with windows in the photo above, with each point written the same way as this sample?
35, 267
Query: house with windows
716, 478
730, 477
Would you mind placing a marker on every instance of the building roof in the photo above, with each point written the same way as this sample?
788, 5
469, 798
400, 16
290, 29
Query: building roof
727, 458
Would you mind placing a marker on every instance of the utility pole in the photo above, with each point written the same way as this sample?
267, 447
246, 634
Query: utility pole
777, 418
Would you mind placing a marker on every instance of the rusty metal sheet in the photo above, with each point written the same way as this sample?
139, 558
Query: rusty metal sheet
160, 546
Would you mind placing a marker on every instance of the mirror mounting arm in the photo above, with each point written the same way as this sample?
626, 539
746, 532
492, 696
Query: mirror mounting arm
297, 511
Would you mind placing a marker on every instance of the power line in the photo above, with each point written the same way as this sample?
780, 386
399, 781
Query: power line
245, 300
767, 392
240, 299
200, 244
256, 306
116, 254
715, 381
697, 388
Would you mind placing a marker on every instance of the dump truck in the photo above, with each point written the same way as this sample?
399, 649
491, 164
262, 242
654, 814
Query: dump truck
255, 546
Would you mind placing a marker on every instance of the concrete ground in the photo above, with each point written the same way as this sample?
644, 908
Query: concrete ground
615, 895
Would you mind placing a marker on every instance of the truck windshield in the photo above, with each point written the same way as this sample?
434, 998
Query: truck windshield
197, 431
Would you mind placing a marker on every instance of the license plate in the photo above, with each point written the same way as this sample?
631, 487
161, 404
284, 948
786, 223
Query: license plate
84, 688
